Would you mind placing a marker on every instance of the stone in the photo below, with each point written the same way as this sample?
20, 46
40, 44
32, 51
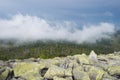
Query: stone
77, 67
106, 76
54, 71
114, 70
95, 73
73, 64
65, 64
49, 62
93, 56
4, 74
79, 74
68, 72
82, 59
28, 70
2, 63
58, 78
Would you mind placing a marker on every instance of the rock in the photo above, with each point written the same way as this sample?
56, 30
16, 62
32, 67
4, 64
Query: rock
82, 59
49, 62
73, 64
20, 78
69, 78
2, 70
95, 73
58, 78
2, 63
6, 74
65, 64
113, 60
77, 67
43, 71
106, 76
79, 74
68, 72
28, 70
114, 70
54, 71
93, 56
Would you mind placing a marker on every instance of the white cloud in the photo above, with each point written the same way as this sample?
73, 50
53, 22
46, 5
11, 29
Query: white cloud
25, 27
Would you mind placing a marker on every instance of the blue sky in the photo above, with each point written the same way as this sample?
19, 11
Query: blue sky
72, 20
81, 11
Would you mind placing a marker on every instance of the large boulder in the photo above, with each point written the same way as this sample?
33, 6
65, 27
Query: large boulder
79, 74
82, 59
6, 74
49, 62
57, 71
114, 70
93, 56
95, 73
28, 70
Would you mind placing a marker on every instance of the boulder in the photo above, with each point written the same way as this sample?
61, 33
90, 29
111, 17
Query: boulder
49, 62
58, 78
54, 71
82, 59
95, 73
79, 74
58, 71
5, 73
114, 70
93, 56
73, 64
2, 63
68, 72
28, 70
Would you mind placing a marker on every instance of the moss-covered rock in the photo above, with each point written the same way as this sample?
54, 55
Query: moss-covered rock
54, 71
79, 74
113, 70
58, 78
5, 73
82, 59
95, 73
28, 70
77, 67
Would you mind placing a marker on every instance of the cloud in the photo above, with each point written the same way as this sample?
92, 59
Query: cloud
25, 27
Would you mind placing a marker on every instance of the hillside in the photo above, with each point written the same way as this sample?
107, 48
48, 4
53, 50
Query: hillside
9, 49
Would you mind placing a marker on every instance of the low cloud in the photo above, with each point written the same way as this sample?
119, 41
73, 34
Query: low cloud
25, 27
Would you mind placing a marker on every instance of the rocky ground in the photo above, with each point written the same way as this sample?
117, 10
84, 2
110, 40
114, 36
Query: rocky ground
77, 67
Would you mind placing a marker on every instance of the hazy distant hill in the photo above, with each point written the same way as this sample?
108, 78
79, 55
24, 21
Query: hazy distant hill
9, 49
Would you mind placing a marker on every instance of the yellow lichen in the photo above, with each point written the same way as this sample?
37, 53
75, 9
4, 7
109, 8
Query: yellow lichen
27, 70
114, 70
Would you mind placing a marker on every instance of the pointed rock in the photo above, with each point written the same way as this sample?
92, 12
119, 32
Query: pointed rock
93, 56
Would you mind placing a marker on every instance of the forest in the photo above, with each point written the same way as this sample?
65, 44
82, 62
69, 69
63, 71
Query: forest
51, 49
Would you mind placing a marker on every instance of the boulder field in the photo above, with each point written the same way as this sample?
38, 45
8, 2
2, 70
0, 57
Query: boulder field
77, 67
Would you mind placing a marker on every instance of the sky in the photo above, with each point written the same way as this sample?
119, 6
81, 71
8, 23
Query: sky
83, 18
82, 11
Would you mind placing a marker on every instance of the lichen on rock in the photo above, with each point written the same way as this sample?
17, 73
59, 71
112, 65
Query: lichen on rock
77, 67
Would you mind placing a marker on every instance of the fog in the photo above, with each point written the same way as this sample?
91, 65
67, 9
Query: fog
26, 27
